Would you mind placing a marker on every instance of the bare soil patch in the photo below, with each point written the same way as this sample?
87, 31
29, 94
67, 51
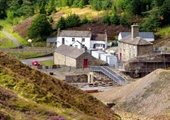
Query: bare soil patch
147, 96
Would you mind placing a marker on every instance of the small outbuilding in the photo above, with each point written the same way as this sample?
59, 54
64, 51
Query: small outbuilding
70, 56
97, 54
111, 60
51, 41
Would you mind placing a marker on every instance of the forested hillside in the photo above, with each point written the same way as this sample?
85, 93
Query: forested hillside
151, 15
155, 11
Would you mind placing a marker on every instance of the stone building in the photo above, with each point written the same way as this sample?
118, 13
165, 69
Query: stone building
133, 45
70, 56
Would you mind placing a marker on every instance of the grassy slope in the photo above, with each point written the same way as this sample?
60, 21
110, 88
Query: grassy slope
32, 85
9, 28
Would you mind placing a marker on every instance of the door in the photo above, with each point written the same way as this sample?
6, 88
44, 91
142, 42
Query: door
120, 56
85, 63
63, 41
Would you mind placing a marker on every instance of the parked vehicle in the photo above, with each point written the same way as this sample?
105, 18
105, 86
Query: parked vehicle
35, 63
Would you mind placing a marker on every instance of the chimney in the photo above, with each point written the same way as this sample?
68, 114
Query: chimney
58, 31
134, 30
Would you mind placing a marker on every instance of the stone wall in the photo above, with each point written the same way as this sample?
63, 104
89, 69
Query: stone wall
80, 60
143, 50
76, 78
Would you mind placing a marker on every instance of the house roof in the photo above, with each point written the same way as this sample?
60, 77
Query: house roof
74, 33
141, 34
135, 41
99, 37
69, 51
51, 39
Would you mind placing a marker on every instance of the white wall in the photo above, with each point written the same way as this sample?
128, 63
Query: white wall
119, 37
68, 41
111, 60
103, 57
77, 45
97, 42
96, 54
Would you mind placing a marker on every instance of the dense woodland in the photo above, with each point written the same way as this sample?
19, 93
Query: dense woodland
152, 14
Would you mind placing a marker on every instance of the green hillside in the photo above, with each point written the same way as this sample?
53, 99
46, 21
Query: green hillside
31, 94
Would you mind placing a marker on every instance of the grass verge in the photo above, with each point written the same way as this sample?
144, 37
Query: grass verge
47, 63
164, 32
24, 55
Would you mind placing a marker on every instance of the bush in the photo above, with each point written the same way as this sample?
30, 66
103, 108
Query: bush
115, 19
50, 20
84, 20
151, 24
72, 20
61, 23
106, 19
123, 20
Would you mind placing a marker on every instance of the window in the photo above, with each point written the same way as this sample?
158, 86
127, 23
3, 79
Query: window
73, 39
76, 46
63, 41
83, 39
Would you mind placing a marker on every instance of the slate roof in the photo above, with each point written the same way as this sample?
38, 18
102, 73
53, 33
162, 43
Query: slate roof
51, 39
141, 34
69, 51
135, 41
74, 33
99, 37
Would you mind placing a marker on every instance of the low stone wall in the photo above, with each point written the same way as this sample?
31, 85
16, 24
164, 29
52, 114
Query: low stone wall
76, 78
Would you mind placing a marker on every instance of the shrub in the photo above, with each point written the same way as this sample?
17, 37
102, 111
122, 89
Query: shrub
72, 20
61, 23
106, 19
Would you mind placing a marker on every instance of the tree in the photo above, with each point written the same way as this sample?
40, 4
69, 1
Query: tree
114, 19
3, 8
164, 12
61, 23
50, 6
81, 3
64, 3
150, 24
106, 19
40, 27
26, 9
72, 20
123, 20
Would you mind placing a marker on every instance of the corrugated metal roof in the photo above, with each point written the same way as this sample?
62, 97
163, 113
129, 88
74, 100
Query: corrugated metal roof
74, 33
99, 37
135, 41
69, 51
51, 39
141, 34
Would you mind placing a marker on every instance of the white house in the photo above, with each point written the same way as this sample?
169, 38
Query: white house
148, 36
98, 41
81, 39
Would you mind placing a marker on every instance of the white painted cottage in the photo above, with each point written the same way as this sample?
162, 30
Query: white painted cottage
80, 39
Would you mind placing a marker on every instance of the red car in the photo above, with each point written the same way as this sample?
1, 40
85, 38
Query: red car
35, 63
